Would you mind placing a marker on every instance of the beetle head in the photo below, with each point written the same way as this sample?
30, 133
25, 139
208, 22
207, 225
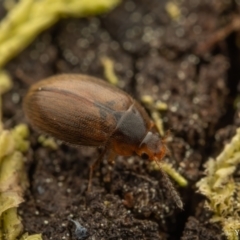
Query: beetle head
152, 147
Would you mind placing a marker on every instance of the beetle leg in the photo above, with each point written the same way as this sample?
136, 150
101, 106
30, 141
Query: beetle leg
93, 166
111, 157
111, 162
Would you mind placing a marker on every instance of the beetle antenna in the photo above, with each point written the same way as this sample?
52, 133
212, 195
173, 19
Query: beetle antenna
172, 190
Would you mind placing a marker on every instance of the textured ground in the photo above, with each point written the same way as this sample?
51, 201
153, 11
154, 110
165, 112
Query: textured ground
183, 63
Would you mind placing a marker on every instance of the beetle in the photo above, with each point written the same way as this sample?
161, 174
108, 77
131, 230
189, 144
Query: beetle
84, 110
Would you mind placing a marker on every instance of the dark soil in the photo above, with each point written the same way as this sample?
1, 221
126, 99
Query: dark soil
183, 63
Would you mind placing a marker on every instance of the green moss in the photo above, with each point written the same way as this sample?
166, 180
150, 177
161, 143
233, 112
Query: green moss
173, 10
20, 133
48, 142
29, 17
32, 237
108, 65
11, 224
155, 107
222, 191
5, 82
167, 168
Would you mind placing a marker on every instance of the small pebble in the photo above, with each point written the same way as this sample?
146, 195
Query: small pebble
80, 231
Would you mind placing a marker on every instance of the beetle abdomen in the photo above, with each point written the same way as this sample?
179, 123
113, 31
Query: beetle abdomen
76, 109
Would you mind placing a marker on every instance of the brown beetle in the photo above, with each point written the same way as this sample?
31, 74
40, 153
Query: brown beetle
84, 110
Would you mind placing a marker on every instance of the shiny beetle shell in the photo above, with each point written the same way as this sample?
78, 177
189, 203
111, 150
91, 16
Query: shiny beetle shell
84, 110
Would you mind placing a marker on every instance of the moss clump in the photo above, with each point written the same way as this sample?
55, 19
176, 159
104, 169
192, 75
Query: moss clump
29, 17
13, 180
222, 191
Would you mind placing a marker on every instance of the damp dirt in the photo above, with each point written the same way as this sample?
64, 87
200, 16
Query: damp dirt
183, 62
